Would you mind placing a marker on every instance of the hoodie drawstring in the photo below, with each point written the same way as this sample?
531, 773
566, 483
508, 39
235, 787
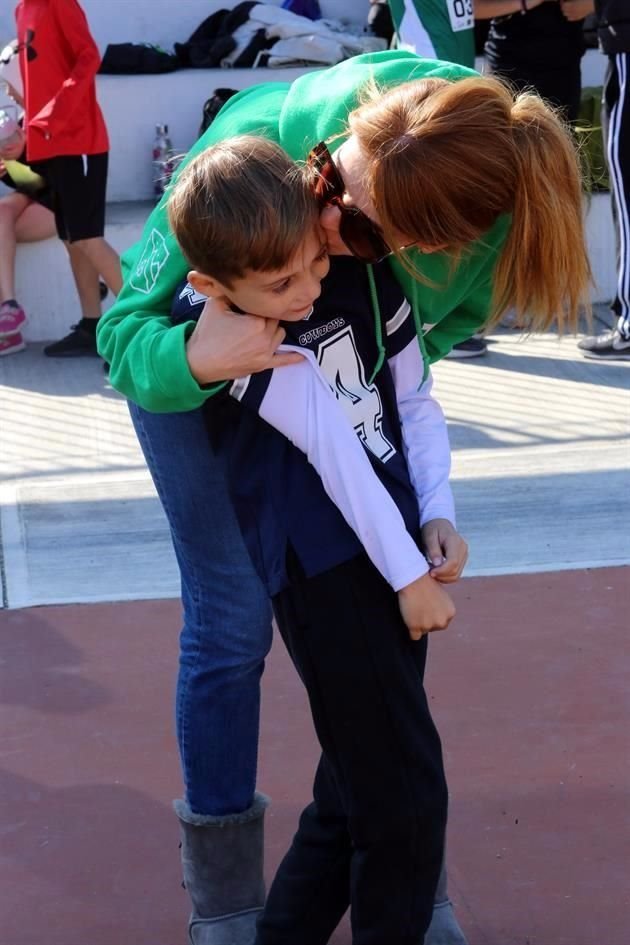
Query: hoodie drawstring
419, 332
378, 327
378, 323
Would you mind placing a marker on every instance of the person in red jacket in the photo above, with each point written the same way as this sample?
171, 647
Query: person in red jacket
67, 143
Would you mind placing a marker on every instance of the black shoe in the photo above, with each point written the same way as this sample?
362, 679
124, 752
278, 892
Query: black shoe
609, 346
80, 343
474, 347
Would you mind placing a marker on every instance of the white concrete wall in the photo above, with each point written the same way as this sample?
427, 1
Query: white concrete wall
164, 21
133, 105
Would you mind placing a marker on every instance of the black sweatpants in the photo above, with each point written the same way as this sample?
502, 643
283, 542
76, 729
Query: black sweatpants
616, 114
562, 86
373, 837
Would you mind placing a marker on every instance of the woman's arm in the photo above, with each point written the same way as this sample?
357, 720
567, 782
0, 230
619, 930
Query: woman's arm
487, 9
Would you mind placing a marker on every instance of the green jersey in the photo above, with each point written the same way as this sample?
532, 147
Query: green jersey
436, 29
147, 355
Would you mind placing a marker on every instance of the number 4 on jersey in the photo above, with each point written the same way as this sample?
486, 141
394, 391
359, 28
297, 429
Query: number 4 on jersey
343, 369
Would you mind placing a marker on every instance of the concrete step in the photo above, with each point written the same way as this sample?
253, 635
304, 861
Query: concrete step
46, 289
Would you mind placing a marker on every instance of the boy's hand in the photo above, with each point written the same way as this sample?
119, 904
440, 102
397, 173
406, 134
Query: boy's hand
445, 550
425, 606
225, 345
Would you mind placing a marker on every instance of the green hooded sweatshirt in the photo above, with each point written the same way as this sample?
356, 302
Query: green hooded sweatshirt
147, 354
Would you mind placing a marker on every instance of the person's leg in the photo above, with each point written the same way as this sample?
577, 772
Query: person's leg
86, 280
224, 641
16, 222
312, 888
364, 679
561, 87
35, 223
614, 345
618, 151
11, 207
83, 201
78, 184
105, 260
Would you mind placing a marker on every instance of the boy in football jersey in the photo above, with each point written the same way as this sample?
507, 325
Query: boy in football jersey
333, 514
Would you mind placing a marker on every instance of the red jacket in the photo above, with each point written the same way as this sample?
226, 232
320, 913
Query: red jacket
59, 60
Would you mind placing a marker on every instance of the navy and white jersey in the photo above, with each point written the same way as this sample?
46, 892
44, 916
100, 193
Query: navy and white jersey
325, 458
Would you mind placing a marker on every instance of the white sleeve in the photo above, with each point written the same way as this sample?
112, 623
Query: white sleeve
425, 436
299, 403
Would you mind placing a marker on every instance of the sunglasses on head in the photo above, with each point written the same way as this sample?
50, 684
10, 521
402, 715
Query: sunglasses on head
363, 237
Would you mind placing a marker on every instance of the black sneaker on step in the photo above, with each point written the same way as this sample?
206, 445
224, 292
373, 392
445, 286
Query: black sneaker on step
609, 346
474, 347
80, 343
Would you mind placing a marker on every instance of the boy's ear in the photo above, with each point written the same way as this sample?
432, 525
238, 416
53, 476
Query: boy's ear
205, 285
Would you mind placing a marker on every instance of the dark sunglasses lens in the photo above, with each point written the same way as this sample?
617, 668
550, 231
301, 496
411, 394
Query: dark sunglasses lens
355, 228
328, 183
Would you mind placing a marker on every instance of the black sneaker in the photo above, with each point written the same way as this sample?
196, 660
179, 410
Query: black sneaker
474, 347
609, 346
80, 343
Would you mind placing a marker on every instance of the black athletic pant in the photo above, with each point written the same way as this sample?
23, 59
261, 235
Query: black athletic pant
373, 837
560, 86
616, 120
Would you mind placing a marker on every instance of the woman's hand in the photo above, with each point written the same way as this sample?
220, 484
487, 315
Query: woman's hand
445, 549
574, 10
425, 606
225, 345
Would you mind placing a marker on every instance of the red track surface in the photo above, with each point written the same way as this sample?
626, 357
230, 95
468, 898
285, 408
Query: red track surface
531, 691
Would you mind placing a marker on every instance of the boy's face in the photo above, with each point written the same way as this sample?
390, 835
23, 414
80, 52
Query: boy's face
285, 294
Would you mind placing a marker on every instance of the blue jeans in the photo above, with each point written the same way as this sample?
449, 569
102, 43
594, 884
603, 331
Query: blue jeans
227, 616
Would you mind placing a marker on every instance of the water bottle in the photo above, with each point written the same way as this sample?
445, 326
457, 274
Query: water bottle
162, 160
10, 134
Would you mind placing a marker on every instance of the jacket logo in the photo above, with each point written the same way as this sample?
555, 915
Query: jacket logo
31, 53
148, 268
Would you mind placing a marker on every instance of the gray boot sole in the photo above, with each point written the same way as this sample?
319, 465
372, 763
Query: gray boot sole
226, 930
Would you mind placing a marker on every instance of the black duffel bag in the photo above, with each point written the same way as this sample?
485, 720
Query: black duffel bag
137, 59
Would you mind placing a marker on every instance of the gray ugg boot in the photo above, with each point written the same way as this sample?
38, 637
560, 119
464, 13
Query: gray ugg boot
444, 928
222, 861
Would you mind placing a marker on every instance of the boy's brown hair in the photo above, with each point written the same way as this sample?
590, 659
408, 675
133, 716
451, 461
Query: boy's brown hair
241, 204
